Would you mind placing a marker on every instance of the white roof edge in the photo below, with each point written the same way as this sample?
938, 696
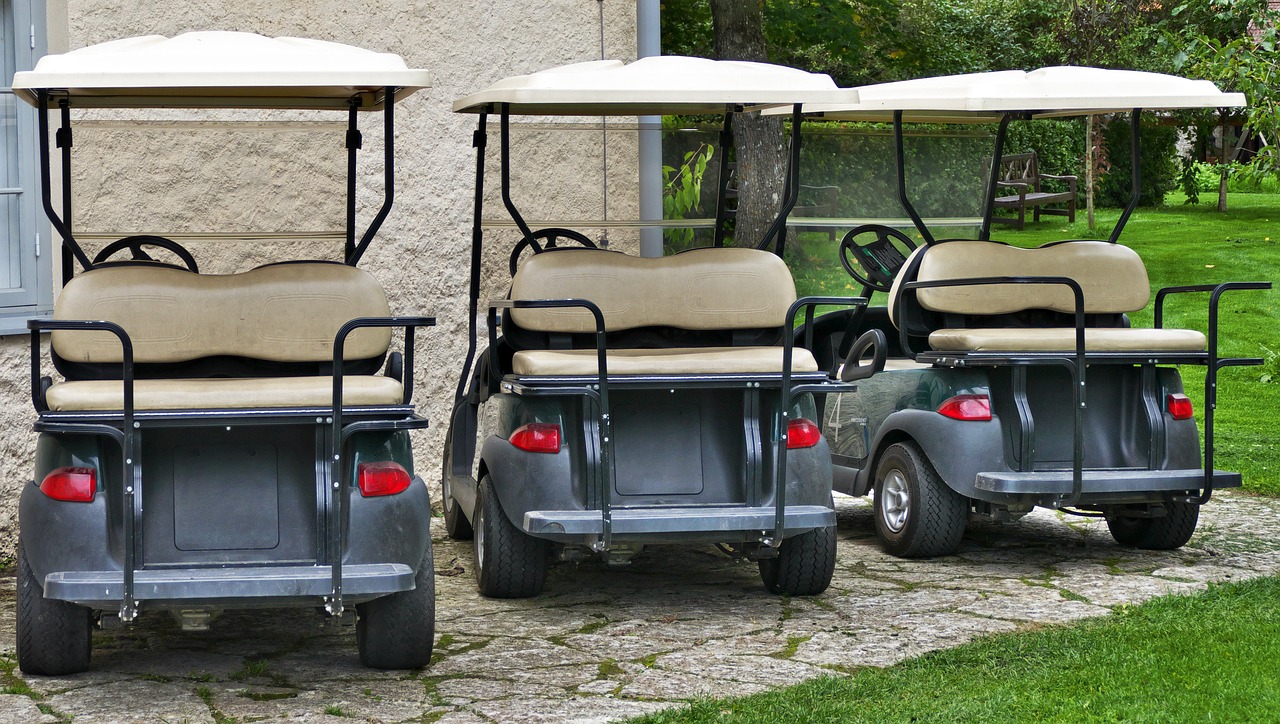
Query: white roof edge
219, 69
1046, 92
655, 85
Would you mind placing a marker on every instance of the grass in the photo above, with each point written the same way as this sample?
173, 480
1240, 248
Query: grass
1206, 657
1180, 244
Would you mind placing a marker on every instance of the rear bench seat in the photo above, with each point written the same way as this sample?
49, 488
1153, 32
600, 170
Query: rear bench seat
285, 316
712, 290
1112, 277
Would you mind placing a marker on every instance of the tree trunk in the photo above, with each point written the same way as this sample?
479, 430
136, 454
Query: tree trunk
758, 141
1090, 161
1222, 163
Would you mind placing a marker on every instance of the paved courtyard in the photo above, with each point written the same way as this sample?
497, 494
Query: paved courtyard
605, 644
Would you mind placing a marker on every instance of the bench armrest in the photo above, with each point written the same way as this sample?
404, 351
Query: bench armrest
1071, 180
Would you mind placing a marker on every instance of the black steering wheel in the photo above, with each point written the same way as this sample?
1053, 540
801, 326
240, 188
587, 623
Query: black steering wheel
135, 243
873, 254
552, 237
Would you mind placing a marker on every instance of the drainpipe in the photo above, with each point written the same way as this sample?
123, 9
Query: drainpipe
648, 34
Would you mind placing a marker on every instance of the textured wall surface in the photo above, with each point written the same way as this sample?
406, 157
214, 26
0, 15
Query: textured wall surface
136, 172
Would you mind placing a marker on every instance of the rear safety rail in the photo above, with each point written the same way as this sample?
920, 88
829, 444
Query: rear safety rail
125, 434
605, 480
1214, 363
1075, 365
339, 434
781, 419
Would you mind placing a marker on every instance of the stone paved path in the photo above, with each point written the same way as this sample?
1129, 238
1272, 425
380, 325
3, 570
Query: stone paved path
605, 644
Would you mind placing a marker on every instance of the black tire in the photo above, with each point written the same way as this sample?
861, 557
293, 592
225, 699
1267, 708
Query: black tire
508, 562
398, 631
916, 514
804, 566
55, 638
455, 521
1166, 533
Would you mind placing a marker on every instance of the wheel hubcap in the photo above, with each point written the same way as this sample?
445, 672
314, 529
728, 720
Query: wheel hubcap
895, 501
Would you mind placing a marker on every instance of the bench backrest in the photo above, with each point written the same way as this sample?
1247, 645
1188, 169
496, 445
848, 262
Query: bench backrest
1113, 277
1021, 168
279, 313
701, 289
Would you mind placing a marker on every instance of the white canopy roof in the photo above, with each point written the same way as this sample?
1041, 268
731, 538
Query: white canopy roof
656, 85
1055, 91
219, 69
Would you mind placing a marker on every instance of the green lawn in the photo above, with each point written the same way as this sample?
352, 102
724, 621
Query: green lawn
1209, 657
1181, 245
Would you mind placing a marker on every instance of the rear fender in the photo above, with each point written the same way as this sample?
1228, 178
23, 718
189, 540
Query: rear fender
958, 450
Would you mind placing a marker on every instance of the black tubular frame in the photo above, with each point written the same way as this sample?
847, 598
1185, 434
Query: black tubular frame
598, 390
126, 434
1213, 363
130, 479
71, 249
504, 134
339, 434
388, 175
790, 188
900, 164
1135, 163
480, 141
354, 142
1075, 364
601, 388
782, 418
722, 183
993, 178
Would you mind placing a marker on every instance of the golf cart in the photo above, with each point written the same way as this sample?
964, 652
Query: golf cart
221, 441
1010, 378
624, 401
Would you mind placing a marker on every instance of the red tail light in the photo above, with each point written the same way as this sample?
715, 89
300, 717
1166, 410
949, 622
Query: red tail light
73, 485
967, 407
802, 433
1180, 407
538, 437
381, 478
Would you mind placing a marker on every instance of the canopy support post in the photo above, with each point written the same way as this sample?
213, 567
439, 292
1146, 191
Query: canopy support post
900, 158
388, 175
1135, 162
993, 178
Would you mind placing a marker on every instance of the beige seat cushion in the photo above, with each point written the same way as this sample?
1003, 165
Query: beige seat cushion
701, 289
1064, 339
1112, 277
675, 361
225, 393
283, 313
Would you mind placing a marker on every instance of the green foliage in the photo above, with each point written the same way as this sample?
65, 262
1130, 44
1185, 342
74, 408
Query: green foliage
682, 193
1058, 144
1216, 43
1189, 181
1160, 169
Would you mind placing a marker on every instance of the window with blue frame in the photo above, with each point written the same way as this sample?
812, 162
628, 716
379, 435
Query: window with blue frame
25, 273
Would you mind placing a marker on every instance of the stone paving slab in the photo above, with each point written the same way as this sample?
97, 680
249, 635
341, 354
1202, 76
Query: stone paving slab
604, 644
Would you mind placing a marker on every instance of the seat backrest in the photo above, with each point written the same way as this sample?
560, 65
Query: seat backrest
278, 313
701, 289
1113, 278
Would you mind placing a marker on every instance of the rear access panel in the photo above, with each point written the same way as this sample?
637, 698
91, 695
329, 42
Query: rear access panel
221, 483
239, 495
687, 443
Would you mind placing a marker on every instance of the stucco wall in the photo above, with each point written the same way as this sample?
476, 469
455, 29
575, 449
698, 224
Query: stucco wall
133, 173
